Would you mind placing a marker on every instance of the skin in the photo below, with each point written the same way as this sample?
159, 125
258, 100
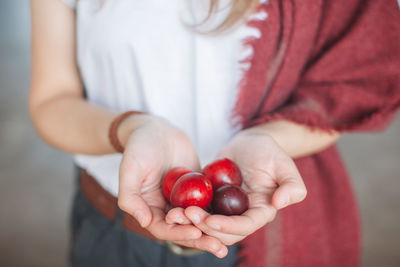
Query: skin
57, 107
269, 176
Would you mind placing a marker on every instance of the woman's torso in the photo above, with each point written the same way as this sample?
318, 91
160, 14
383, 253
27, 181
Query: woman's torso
140, 55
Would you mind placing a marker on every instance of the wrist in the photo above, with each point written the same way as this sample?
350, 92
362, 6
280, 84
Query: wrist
121, 128
135, 121
276, 132
256, 131
131, 124
295, 139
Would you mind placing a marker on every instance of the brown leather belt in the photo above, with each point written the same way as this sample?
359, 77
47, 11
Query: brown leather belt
107, 205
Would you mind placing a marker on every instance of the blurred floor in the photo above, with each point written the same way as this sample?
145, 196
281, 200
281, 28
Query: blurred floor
37, 184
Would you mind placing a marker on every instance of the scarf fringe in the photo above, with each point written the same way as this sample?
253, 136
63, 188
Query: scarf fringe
257, 22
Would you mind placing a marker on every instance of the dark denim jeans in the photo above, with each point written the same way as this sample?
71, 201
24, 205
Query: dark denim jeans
99, 242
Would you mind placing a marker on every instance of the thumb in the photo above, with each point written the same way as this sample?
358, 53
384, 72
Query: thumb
129, 194
290, 191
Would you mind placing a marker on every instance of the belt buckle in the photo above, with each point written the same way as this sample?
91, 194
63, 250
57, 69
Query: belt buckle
180, 251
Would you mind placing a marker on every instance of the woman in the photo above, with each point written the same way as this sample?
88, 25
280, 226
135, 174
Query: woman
259, 82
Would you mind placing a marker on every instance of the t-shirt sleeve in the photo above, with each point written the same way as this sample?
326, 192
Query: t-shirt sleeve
353, 82
70, 3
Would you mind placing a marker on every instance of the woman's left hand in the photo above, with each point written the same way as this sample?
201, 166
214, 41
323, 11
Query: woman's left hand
270, 178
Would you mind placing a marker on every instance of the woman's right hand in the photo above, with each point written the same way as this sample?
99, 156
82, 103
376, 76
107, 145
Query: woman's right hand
153, 147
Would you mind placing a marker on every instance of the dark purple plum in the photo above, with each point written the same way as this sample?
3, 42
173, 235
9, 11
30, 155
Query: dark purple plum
230, 200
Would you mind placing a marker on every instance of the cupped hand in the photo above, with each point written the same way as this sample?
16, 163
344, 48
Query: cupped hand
151, 149
270, 178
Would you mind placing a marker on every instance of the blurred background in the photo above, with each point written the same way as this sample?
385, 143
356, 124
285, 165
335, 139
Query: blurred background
37, 182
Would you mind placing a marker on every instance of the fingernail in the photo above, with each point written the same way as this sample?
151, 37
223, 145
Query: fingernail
139, 216
195, 218
221, 252
215, 226
190, 237
179, 220
284, 201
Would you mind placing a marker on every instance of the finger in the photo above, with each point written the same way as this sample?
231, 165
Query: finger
177, 215
242, 225
291, 190
259, 213
198, 217
164, 231
206, 243
129, 194
139, 210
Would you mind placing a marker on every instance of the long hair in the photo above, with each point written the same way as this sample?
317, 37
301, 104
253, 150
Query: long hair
239, 11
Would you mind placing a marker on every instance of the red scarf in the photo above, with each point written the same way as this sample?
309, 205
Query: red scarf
332, 65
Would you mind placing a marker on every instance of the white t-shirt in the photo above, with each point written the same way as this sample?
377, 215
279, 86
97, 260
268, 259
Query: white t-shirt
139, 55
